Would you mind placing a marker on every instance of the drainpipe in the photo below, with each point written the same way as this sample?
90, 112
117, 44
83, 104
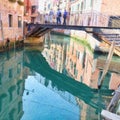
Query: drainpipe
2, 31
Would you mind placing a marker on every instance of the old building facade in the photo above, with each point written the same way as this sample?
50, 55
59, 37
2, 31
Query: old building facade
95, 12
11, 17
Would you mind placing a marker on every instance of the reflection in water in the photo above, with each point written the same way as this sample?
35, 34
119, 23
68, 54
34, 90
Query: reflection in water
12, 86
62, 83
59, 83
45, 103
79, 62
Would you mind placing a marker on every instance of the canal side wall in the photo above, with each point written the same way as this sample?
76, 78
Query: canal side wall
82, 35
12, 45
85, 36
34, 41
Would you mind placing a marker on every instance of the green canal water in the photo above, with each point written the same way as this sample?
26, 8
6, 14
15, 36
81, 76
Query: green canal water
57, 81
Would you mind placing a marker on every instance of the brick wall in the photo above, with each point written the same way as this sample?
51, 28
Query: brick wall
111, 7
15, 10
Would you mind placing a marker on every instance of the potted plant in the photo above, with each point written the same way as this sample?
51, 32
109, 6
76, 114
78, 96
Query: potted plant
20, 2
12, 1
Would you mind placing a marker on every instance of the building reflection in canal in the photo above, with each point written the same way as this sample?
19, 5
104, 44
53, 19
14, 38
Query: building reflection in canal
58, 83
80, 63
11, 85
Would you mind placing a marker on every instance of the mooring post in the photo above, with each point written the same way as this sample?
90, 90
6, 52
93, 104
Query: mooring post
107, 63
109, 114
114, 100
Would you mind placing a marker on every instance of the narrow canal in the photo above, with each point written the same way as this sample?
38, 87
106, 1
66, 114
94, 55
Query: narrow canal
56, 81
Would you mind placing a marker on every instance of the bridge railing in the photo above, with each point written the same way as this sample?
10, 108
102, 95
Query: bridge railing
89, 18
86, 18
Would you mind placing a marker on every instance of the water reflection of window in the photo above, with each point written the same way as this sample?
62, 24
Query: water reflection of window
46, 82
72, 49
81, 78
77, 54
71, 64
11, 114
0, 78
18, 68
86, 66
11, 90
67, 60
76, 73
84, 56
19, 106
74, 69
106, 81
18, 87
81, 57
100, 74
10, 73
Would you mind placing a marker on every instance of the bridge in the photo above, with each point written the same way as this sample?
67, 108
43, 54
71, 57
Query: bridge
41, 28
104, 34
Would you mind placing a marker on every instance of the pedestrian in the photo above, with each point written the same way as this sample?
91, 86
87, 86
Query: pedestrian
58, 16
51, 15
28, 27
64, 17
46, 18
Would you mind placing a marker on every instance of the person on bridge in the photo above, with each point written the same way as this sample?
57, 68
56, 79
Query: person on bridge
46, 18
58, 17
51, 14
64, 17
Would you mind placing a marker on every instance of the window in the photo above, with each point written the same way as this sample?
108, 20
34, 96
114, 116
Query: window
91, 4
48, 6
19, 21
85, 4
33, 9
81, 7
78, 5
10, 20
